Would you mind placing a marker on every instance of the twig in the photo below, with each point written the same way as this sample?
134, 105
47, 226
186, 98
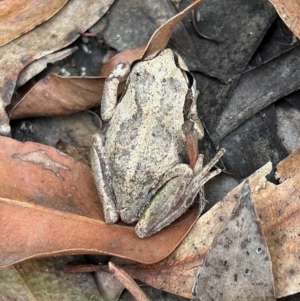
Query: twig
128, 282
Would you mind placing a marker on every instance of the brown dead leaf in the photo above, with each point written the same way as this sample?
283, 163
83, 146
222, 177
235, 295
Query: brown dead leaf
158, 41
177, 273
289, 12
49, 205
19, 16
39, 65
161, 36
278, 209
57, 95
128, 55
61, 30
279, 212
42, 175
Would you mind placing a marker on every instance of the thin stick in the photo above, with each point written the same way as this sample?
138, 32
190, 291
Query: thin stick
128, 282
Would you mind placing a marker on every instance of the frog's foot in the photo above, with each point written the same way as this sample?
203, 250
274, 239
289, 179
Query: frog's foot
176, 196
102, 178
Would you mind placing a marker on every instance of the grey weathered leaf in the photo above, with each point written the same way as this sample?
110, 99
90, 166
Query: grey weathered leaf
238, 266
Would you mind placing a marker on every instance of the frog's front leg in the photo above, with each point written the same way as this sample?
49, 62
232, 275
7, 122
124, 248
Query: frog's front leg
110, 89
99, 159
175, 196
102, 178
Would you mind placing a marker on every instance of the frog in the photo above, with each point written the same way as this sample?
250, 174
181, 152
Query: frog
140, 158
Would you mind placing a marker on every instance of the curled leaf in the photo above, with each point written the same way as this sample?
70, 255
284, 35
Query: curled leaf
49, 206
289, 12
278, 209
20, 16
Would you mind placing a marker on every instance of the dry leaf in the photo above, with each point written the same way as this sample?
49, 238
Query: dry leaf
177, 273
158, 41
39, 65
19, 16
58, 32
128, 55
39, 174
278, 209
289, 12
238, 265
49, 205
257, 94
279, 212
47, 232
56, 95
161, 36
44, 279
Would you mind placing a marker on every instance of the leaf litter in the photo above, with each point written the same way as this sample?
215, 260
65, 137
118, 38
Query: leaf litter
56, 95
51, 205
278, 210
20, 16
45, 39
285, 289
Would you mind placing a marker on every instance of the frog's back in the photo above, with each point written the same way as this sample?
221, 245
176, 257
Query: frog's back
145, 136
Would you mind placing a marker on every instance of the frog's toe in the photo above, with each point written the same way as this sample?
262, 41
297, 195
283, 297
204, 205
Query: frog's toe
110, 216
127, 218
140, 231
144, 229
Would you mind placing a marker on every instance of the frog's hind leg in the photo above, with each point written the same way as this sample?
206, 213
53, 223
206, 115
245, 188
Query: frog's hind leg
165, 203
102, 178
176, 196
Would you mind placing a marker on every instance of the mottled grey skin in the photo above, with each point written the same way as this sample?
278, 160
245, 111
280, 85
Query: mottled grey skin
144, 149
145, 137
